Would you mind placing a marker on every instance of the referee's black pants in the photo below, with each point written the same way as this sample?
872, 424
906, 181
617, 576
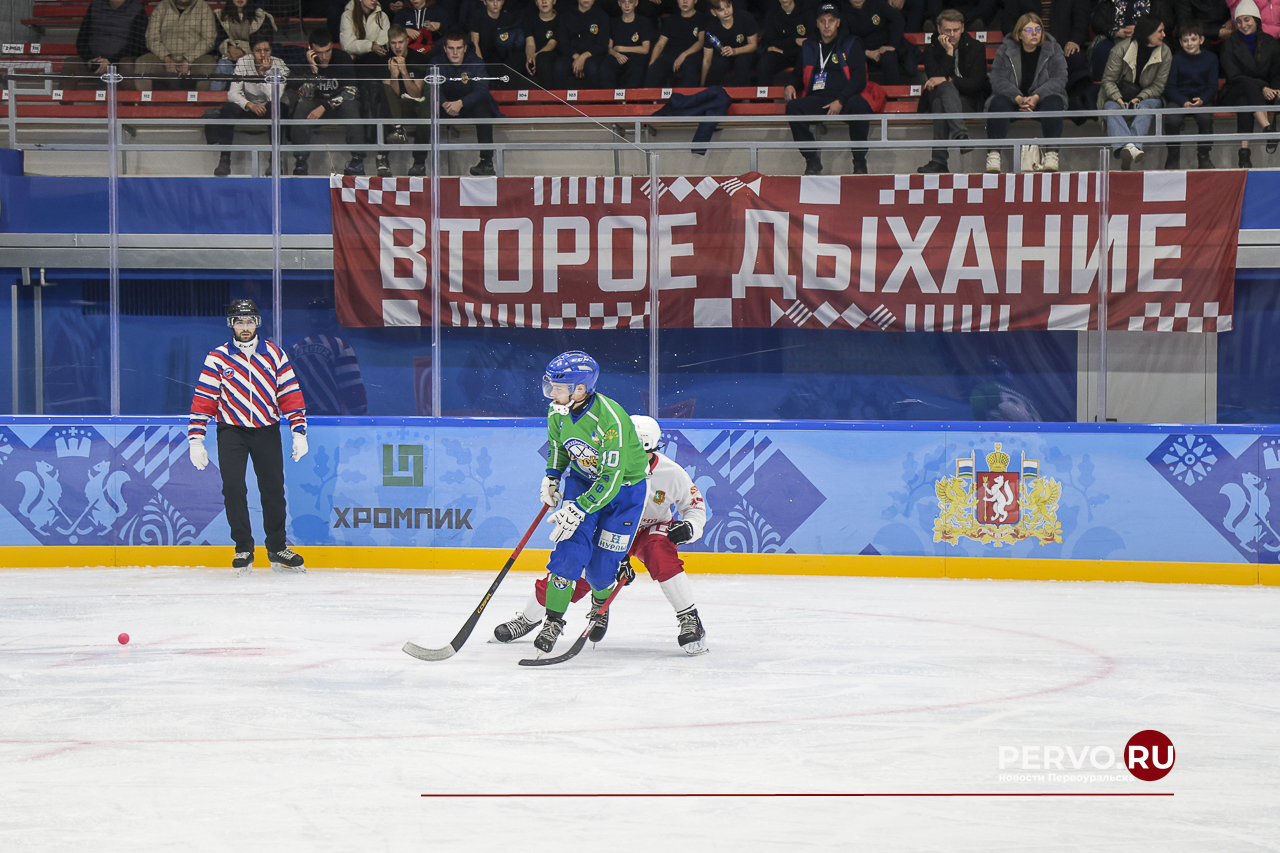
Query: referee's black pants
236, 445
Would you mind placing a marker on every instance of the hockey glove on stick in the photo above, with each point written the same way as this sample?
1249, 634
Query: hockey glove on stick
566, 521
299, 446
199, 456
680, 532
550, 493
626, 574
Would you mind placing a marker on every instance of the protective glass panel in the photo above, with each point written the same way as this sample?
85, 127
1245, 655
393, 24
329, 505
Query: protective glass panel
803, 375
1248, 357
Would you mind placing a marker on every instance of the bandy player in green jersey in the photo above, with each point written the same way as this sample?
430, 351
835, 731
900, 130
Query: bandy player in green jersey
595, 448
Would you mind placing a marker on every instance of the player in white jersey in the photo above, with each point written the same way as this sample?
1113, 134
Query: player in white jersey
669, 490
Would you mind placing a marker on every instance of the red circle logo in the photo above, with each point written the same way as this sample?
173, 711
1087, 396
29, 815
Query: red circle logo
1149, 755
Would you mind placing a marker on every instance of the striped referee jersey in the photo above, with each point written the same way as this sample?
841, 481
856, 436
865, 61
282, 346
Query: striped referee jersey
247, 391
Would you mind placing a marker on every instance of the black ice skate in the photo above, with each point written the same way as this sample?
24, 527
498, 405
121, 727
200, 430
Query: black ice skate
692, 638
242, 563
515, 629
550, 632
600, 624
287, 561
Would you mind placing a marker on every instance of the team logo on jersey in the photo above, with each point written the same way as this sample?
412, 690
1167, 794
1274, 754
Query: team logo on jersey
799, 29
875, 20
228, 372
635, 37
465, 78
659, 496
504, 36
594, 29
584, 455
550, 34
997, 506
739, 38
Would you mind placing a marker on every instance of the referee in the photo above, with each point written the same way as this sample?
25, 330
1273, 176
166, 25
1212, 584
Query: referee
246, 385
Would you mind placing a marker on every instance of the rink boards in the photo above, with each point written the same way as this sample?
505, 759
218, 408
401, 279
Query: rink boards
1159, 503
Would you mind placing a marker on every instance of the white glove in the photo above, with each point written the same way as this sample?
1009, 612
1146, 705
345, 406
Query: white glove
299, 446
551, 491
566, 520
199, 456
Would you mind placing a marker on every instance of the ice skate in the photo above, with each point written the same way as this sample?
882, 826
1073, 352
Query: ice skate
550, 632
242, 563
515, 629
692, 638
287, 561
600, 624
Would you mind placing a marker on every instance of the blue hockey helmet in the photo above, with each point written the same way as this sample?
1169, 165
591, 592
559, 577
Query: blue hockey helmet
572, 368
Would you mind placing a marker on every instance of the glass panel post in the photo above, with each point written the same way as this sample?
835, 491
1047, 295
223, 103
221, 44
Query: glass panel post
654, 283
1104, 278
113, 78
277, 320
437, 353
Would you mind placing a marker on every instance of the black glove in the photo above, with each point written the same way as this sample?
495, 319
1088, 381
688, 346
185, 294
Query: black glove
680, 532
626, 574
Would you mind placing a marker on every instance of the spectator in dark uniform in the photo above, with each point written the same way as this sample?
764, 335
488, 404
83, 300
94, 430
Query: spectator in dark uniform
499, 40
582, 40
1213, 17
879, 28
465, 94
676, 57
424, 21
786, 26
978, 14
540, 43
630, 40
729, 46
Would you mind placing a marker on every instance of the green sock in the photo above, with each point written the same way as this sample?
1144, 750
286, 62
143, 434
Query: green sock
558, 599
600, 595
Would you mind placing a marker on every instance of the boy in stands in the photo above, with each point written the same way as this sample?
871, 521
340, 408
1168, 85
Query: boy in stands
669, 488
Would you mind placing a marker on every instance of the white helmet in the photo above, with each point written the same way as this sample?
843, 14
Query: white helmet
648, 431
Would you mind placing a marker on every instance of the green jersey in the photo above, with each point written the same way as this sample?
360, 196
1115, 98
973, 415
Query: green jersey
602, 448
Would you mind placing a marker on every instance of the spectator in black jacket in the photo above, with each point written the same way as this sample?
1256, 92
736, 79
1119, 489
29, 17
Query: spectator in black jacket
113, 32
582, 40
540, 43
879, 27
729, 48
326, 88
829, 80
955, 65
1251, 66
786, 25
1193, 82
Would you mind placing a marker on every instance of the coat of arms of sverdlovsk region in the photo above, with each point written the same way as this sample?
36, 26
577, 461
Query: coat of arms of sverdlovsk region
997, 506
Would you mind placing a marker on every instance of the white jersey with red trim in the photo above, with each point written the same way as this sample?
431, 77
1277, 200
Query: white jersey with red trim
670, 488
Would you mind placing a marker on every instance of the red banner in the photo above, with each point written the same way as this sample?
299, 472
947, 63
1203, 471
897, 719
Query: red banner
940, 253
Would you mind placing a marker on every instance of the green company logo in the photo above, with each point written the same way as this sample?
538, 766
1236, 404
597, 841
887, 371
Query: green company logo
402, 464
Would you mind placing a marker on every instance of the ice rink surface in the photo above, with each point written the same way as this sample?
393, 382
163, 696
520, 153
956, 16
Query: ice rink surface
278, 713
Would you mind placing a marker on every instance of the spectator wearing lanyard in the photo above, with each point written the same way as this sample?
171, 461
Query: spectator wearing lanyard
829, 80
